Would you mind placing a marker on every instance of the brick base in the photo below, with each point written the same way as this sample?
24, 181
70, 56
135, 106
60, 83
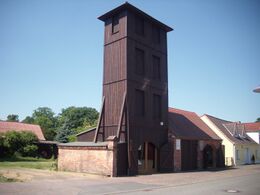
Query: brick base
89, 159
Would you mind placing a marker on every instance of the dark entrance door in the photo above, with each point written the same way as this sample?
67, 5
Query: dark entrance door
147, 158
189, 154
207, 157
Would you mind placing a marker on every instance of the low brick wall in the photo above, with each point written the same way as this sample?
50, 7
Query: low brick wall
88, 158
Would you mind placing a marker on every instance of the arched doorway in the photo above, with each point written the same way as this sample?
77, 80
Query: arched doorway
147, 158
207, 157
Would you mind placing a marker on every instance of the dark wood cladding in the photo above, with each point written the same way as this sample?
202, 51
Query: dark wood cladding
111, 37
86, 136
115, 75
148, 37
135, 46
114, 62
147, 128
113, 101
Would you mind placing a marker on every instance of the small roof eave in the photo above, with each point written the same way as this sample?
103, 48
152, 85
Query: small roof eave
91, 129
128, 6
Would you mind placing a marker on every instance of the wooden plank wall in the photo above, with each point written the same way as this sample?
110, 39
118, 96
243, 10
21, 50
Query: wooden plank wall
147, 128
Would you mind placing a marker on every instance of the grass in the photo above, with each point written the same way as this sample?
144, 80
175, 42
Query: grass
4, 179
28, 162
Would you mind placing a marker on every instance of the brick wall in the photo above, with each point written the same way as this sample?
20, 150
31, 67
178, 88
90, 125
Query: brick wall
215, 144
177, 153
88, 159
177, 157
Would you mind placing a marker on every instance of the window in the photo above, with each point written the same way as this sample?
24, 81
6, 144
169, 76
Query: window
139, 102
178, 144
139, 61
257, 153
156, 68
156, 35
139, 26
237, 155
157, 106
115, 24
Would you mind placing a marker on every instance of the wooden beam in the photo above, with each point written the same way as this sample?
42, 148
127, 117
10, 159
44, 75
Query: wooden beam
122, 112
146, 157
99, 120
128, 139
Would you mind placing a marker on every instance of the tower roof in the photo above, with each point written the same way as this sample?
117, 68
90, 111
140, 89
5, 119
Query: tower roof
128, 6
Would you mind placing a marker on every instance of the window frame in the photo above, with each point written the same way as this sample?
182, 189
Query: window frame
156, 74
115, 24
139, 26
137, 70
157, 111
139, 107
237, 154
156, 35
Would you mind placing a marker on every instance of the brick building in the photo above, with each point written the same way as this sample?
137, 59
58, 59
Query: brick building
196, 146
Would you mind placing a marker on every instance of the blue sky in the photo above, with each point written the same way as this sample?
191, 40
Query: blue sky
51, 54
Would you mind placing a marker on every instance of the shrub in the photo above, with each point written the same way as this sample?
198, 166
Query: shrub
72, 138
3, 149
12, 141
30, 150
16, 142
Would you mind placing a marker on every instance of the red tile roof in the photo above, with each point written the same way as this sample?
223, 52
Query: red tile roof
16, 126
188, 125
249, 127
230, 130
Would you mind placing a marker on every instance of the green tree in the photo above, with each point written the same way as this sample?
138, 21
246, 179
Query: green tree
44, 117
78, 118
28, 120
64, 133
258, 119
12, 118
73, 120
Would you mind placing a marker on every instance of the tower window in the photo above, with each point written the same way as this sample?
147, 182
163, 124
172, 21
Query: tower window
139, 102
157, 106
139, 26
156, 68
115, 24
139, 61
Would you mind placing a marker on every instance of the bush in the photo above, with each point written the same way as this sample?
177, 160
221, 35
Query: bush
12, 141
16, 142
30, 150
3, 149
72, 138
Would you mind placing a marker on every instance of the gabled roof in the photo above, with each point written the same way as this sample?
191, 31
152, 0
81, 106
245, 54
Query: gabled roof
188, 125
16, 126
86, 131
251, 127
233, 131
128, 6
236, 129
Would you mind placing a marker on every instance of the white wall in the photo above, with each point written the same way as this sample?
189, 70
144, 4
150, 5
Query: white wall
255, 136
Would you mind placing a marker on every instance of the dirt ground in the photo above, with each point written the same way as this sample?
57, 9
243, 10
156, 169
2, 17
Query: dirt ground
26, 175
245, 178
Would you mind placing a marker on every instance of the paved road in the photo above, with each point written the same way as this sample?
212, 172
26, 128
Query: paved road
243, 180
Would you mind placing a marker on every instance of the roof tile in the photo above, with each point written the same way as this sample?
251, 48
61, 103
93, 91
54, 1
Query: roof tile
188, 125
16, 126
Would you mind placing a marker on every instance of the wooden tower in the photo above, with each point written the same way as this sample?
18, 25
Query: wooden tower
135, 86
